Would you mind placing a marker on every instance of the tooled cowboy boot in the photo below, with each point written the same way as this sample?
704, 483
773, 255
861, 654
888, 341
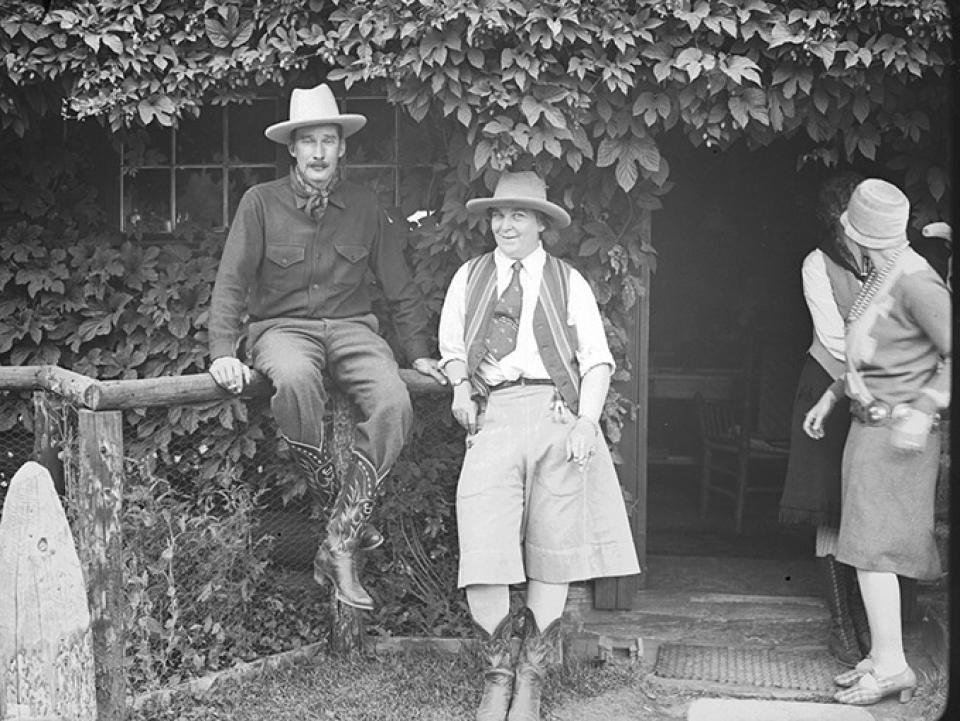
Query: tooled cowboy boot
336, 558
321, 474
496, 655
842, 642
537, 652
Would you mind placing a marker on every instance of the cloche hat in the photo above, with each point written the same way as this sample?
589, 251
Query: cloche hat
314, 106
524, 189
877, 215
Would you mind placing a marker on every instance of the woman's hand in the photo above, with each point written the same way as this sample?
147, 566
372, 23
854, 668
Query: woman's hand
813, 421
464, 407
910, 428
582, 441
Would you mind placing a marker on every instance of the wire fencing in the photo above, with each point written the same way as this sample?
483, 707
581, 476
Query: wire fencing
218, 546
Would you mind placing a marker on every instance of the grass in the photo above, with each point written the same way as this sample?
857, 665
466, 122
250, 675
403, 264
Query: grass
420, 685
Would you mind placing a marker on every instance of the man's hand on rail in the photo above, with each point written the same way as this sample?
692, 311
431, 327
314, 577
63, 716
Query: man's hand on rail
430, 367
230, 373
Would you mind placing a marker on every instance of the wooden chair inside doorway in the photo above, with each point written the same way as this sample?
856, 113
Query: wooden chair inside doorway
733, 447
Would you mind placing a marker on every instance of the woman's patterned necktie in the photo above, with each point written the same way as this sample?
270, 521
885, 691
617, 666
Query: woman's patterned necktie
502, 336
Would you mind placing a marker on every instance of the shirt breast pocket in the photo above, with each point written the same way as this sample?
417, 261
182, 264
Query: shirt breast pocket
284, 266
350, 265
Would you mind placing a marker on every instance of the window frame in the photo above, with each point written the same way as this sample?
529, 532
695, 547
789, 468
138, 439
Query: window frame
225, 166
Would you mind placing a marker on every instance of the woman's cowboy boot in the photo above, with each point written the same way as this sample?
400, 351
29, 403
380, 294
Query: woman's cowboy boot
496, 656
842, 641
321, 473
336, 558
536, 653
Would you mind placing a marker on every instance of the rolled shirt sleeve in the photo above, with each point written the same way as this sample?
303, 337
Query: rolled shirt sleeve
584, 315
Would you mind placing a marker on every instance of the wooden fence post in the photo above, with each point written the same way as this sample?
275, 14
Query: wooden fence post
98, 496
48, 435
46, 649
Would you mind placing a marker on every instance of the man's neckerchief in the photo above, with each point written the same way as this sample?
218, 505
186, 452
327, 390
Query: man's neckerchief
312, 199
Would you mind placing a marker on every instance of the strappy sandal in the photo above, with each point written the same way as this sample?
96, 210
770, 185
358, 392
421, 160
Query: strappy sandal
870, 688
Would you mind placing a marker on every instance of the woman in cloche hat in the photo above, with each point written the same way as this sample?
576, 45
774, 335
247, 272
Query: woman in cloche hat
897, 378
538, 501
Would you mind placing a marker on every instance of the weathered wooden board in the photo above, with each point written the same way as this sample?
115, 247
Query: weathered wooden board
46, 649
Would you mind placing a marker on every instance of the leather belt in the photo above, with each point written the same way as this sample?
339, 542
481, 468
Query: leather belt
522, 382
878, 413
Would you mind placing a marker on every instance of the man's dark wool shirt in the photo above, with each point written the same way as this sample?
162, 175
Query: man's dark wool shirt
278, 262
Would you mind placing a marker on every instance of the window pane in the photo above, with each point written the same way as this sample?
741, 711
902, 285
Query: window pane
420, 143
242, 178
381, 180
375, 143
416, 185
200, 140
147, 146
247, 123
200, 197
146, 201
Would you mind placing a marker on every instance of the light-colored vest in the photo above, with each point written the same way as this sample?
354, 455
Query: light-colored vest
556, 339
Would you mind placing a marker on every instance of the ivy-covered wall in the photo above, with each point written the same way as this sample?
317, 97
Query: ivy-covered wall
592, 93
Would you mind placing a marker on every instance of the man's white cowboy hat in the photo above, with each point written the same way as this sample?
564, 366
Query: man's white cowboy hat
525, 189
877, 215
314, 106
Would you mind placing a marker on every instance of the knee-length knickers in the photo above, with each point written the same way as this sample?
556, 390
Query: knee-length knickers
525, 511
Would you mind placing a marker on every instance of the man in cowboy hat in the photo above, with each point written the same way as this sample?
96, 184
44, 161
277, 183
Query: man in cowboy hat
538, 501
295, 260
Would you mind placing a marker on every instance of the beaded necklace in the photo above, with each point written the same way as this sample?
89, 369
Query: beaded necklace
872, 285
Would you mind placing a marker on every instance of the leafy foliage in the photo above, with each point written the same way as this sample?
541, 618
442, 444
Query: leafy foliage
201, 591
584, 91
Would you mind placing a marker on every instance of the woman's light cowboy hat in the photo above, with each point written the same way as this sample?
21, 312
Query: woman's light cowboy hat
314, 106
525, 189
877, 215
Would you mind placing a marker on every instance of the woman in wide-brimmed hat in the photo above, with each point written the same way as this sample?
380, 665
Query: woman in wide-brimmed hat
538, 501
897, 378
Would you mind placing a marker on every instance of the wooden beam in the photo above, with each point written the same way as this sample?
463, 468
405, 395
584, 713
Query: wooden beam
72, 386
98, 498
150, 392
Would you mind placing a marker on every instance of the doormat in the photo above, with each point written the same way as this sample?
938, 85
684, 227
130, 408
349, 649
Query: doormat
747, 667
